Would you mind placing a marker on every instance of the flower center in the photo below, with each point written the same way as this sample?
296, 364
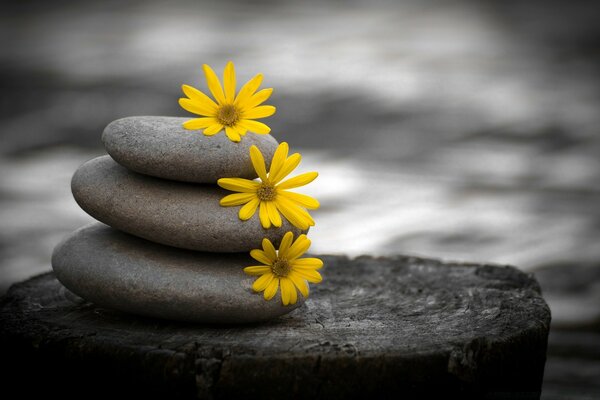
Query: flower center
228, 115
266, 192
281, 267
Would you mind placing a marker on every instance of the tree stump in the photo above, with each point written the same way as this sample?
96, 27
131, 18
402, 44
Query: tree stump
399, 327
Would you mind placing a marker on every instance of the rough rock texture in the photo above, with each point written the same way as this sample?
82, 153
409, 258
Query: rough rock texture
398, 327
173, 213
161, 147
117, 270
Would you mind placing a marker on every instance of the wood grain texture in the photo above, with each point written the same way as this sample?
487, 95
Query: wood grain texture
384, 327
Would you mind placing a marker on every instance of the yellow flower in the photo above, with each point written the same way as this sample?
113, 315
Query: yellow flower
270, 193
284, 269
235, 114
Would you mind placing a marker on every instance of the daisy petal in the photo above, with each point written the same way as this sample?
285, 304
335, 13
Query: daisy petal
254, 126
236, 199
263, 214
288, 291
229, 82
259, 112
213, 129
197, 107
256, 99
199, 97
299, 247
273, 214
300, 283
241, 131
297, 210
307, 263
269, 249
271, 290
302, 199
247, 211
262, 282
288, 166
258, 162
213, 84
199, 123
291, 215
257, 270
248, 90
261, 256
285, 244
278, 159
310, 275
232, 134
299, 180
239, 185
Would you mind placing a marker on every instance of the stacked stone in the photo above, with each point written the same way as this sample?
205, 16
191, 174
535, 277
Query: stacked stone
170, 250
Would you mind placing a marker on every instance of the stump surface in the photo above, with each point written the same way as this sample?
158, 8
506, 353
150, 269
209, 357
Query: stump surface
384, 327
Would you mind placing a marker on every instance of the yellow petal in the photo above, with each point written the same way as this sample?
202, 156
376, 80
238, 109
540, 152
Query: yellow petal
256, 99
254, 126
273, 214
196, 107
298, 248
291, 215
278, 159
232, 134
298, 211
247, 211
263, 214
199, 97
262, 282
239, 185
213, 84
308, 262
236, 199
288, 292
288, 166
199, 123
300, 283
310, 275
242, 131
302, 199
300, 180
213, 129
248, 89
261, 256
258, 162
271, 290
229, 82
269, 249
259, 112
285, 244
257, 270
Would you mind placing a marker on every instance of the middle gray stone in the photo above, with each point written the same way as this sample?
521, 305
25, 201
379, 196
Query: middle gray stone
173, 213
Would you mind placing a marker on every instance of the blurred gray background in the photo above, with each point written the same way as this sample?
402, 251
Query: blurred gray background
463, 130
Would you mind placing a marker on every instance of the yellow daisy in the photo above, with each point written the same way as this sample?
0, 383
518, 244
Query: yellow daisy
269, 194
235, 114
284, 269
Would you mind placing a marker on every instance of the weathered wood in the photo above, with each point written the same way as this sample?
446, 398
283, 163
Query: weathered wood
397, 327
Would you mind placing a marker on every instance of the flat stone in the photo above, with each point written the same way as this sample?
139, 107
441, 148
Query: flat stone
126, 273
177, 214
161, 147
398, 327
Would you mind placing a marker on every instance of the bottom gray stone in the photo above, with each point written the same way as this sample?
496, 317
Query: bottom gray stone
126, 273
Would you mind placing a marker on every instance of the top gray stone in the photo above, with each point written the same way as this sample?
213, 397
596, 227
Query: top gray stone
161, 147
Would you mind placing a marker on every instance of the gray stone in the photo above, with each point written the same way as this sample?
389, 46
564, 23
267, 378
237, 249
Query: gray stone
120, 271
178, 214
161, 147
